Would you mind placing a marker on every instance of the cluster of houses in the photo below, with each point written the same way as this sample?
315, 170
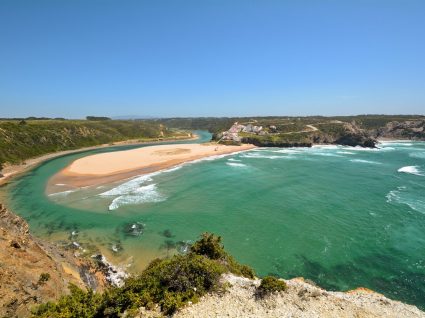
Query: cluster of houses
232, 135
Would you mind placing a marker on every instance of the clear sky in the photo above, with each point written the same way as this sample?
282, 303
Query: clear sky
211, 58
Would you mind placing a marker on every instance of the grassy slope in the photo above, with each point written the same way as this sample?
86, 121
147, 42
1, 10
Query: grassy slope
19, 142
296, 130
216, 124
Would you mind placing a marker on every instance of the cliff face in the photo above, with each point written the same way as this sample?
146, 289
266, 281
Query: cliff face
410, 129
33, 272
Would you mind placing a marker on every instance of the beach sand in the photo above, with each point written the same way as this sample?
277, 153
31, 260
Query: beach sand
12, 170
113, 166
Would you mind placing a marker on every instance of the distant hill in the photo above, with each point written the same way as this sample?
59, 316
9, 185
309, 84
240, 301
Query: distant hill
274, 131
24, 139
133, 117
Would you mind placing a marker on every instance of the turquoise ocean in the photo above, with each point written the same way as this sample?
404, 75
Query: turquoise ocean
343, 217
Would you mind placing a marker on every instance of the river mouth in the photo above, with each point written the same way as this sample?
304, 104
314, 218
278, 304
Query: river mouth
343, 217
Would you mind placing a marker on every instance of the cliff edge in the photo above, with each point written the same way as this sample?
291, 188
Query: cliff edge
33, 272
301, 299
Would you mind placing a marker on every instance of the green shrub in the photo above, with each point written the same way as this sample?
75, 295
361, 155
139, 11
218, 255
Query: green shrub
210, 246
170, 283
270, 284
44, 277
79, 304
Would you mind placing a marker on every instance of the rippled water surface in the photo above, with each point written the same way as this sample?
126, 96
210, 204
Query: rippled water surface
343, 217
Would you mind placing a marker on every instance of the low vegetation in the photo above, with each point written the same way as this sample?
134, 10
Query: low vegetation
24, 139
44, 277
285, 124
269, 285
169, 283
361, 130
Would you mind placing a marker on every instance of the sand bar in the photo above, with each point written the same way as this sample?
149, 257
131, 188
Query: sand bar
113, 166
12, 170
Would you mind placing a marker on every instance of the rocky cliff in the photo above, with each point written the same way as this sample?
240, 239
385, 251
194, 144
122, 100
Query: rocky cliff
410, 129
33, 272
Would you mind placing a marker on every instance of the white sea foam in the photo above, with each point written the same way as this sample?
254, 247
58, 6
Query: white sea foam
325, 154
398, 143
173, 169
115, 275
282, 150
420, 155
260, 156
325, 146
358, 148
215, 157
366, 161
236, 164
62, 193
135, 191
411, 170
233, 159
402, 196
144, 194
346, 152
128, 186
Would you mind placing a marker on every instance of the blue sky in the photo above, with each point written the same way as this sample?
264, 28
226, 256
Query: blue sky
211, 58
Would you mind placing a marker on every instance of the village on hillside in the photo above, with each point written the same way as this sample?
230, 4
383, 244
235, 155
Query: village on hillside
232, 135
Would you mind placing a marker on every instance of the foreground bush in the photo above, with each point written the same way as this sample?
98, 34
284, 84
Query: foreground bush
169, 283
270, 284
210, 246
78, 304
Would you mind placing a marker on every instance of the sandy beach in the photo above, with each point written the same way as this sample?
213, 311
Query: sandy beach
113, 166
12, 170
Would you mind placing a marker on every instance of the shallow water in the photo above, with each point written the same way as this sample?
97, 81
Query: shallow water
343, 217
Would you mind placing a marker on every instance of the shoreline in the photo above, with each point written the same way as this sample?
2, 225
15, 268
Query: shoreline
110, 167
94, 174
11, 171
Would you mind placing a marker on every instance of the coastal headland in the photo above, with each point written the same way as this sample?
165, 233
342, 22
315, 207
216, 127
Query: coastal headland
114, 166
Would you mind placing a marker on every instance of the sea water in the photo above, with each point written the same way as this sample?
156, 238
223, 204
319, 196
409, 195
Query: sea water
341, 216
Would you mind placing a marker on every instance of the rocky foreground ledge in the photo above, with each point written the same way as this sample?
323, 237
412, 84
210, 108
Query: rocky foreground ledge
301, 299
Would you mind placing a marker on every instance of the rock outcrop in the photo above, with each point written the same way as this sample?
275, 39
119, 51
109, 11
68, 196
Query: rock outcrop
32, 271
410, 129
301, 299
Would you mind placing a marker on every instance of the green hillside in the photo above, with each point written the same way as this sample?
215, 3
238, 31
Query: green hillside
24, 139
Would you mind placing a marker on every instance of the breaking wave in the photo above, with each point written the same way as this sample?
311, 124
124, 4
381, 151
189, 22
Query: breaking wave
144, 194
346, 152
258, 155
135, 191
366, 161
420, 155
62, 193
236, 164
411, 170
402, 196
